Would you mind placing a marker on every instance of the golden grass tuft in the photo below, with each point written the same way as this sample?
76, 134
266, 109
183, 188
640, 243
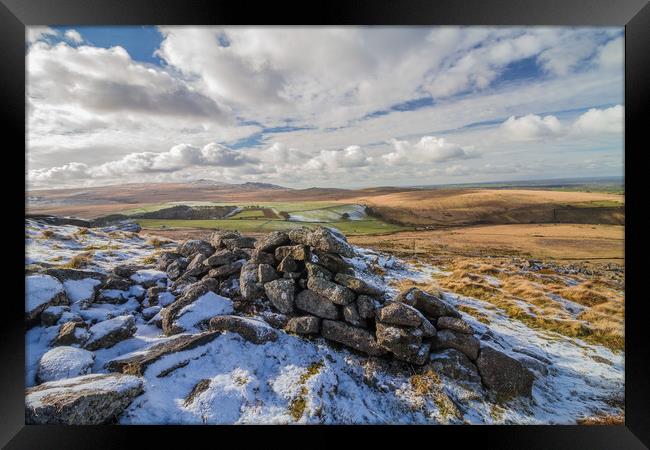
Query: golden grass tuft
299, 403
156, 242
79, 261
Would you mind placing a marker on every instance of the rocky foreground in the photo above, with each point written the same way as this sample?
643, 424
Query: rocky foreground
293, 327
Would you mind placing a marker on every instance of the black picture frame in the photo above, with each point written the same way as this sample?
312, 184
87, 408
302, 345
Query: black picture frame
633, 14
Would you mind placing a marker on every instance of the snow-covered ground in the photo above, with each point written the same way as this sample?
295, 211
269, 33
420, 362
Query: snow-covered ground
305, 380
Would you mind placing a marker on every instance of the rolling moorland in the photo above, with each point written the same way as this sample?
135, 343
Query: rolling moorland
541, 267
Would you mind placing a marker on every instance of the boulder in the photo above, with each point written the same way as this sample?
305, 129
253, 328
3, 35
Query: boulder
266, 273
177, 267
274, 319
503, 374
190, 295
217, 238
239, 242
138, 363
226, 270
253, 330
291, 275
357, 285
332, 262
260, 257
335, 293
109, 332
51, 315
64, 362
86, 400
366, 307
324, 239
316, 271
399, 314
350, 336
272, 241
196, 268
297, 252
193, 246
223, 257
465, 343
281, 294
42, 291
166, 258
288, 264
304, 325
404, 343
429, 305
455, 365
249, 287
351, 315
454, 324
125, 270
73, 274
71, 333
150, 312
315, 304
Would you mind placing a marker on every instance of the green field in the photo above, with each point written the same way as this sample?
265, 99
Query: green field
369, 226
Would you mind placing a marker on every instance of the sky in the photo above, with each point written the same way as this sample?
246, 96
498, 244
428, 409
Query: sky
322, 106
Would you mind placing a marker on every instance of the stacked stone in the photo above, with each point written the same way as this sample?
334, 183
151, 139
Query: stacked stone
307, 280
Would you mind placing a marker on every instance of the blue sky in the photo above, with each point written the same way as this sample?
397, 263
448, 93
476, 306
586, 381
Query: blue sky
349, 106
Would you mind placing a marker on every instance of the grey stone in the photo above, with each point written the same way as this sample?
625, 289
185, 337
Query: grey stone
166, 258
455, 365
402, 342
196, 268
223, 257
192, 292
333, 263
351, 315
288, 264
503, 374
137, 364
226, 270
465, 343
399, 314
316, 271
249, 287
353, 337
193, 246
281, 294
266, 273
93, 399
259, 257
324, 239
366, 307
64, 362
109, 332
239, 242
117, 283
218, 237
272, 241
454, 324
71, 333
317, 305
357, 285
177, 267
304, 325
252, 330
335, 293
428, 304
297, 252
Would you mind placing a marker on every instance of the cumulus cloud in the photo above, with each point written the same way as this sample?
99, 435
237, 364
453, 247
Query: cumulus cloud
531, 127
599, 121
352, 156
74, 36
594, 122
427, 149
178, 158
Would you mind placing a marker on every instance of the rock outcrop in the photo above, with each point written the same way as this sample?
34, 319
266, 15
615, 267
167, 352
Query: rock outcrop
86, 400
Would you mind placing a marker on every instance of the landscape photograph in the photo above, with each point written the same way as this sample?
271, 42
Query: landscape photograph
324, 225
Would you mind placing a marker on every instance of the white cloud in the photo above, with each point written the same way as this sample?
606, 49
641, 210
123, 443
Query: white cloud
352, 156
531, 127
74, 36
34, 34
611, 55
600, 121
427, 149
